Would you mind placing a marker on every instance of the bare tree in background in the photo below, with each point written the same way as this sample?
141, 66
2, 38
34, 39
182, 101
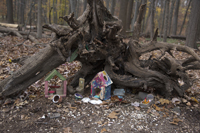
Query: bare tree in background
73, 4
113, 4
135, 14
152, 18
175, 19
129, 14
185, 16
193, 29
123, 14
166, 21
9, 4
39, 20
171, 15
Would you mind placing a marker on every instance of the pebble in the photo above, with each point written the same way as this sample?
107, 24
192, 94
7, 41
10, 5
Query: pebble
188, 104
184, 100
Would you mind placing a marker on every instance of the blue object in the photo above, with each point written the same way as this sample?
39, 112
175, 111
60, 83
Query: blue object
78, 96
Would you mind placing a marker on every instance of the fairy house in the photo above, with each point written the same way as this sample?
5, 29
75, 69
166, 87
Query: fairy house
61, 90
101, 86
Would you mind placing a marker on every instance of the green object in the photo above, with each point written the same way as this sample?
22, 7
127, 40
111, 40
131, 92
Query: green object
54, 73
74, 55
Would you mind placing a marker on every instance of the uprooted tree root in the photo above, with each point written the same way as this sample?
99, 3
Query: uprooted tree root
94, 39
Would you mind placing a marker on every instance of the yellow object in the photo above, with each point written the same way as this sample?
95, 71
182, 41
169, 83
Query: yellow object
10, 60
145, 101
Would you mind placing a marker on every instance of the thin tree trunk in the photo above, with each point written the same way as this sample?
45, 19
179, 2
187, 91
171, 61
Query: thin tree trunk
135, 14
107, 4
22, 8
39, 20
113, 4
171, 15
152, 18
85, 4
129, 14
163, 16
143, 23
166, 21
185, 17
160, 18
175, 19
123, 14
9, 4
193, 25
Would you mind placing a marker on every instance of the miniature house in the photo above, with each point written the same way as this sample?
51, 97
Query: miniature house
101, 86
60, 90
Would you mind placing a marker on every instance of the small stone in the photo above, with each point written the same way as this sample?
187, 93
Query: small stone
51, 128
188, 104
184, 100
196, 105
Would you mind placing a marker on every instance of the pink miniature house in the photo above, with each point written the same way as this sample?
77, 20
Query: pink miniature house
49, 77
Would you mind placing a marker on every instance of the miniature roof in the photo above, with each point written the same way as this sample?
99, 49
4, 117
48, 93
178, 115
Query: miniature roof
54, 73
103, 76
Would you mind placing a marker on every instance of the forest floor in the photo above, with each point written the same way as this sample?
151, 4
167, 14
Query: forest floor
30, 111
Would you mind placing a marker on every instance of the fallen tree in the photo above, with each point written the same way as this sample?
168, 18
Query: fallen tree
94, 38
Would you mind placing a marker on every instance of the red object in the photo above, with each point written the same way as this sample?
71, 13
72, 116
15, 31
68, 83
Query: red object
52, 92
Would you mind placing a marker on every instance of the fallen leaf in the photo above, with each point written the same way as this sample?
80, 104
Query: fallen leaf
157, 108
113, 115
103, 130
194, 99
163, 101
137, 108
175, 121
73, 107
59, 105
99, 122
67, 130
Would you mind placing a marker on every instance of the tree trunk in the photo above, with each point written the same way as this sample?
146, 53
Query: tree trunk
129, 14
193, 25
175, 19
152, 18
171, 15
163, 16
135, 14
123, 14
22, 8
185, 17
166, 21
39, 20
55, 12
9, 4
85, 4
107, 4
98, 30
113, 4
73, 4
143, 23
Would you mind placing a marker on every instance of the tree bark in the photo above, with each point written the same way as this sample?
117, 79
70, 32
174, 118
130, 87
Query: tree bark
152, 18
175, 19
39, 23
129, 13
193, 26
135, 14
171, 15
163, 16
185, 17
123, 14
166, 21
113, 4
9, 4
